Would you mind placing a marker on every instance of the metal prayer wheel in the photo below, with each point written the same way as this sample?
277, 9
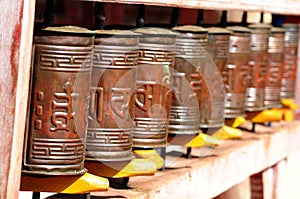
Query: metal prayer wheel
153, 87
275, 66
290, 60
258, 62
110, 127
236, 74
190, 51
218, 49
55, 141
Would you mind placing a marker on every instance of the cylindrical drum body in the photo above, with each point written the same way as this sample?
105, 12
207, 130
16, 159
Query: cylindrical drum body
258, 62
110, 127
191, 45
275, 66
212, 91
288, 80
236, 74
218, 49
55, 141
153, 87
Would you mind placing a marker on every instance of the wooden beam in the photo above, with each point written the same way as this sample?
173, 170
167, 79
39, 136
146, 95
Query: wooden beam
16, 25
289, 7
217, 169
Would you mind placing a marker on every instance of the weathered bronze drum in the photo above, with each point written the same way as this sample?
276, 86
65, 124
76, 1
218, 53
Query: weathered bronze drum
187, 82
110, 127
203, 75
290, 60
153, 87
236, 74
275, 66
55, 141
258, 62
218, 49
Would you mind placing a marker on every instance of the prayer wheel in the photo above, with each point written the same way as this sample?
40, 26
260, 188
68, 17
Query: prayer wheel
288, 80
111, 111
275, 67
153, 87
258, 62
202, 74
55, 140
218, 49
236, 74
190, 51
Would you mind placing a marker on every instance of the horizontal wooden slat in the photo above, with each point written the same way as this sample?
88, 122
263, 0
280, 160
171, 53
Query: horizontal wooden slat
226, 165
16, 25
288, 7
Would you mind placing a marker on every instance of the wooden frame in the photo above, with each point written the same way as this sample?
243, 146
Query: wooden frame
16, 24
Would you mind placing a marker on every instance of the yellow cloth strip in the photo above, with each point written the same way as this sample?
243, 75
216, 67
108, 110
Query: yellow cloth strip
238, 121
135, 167
227, 132
64, 184
202, 140
289, 103
151, 155
273, 115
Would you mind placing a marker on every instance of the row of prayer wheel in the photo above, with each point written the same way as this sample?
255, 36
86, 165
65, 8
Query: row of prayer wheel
97, 94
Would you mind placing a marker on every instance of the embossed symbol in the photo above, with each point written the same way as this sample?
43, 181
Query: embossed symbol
290, 63
96, 103
68, 59
145, 97
245, 75
119, 102
156, 56
228, 77
196, 82
150, 93
62, 117
274, 73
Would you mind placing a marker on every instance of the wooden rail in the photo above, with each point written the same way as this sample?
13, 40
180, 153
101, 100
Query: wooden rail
223, 167
288, 7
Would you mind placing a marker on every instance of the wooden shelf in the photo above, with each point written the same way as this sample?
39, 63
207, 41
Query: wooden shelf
288, 7
16, 25
225, 166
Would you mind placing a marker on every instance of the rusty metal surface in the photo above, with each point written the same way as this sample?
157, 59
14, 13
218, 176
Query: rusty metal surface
110, 129
218, 49
236, 75
187, 81
153, 87
275, 66
290, 60
258, 62
195, 65
55, 142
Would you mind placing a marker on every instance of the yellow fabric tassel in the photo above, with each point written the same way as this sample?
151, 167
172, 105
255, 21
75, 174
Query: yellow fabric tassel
227, 132
202, 140
64, 184
151, 155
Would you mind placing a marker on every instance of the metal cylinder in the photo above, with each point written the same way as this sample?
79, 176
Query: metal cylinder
236, 74
202, 74
191, 44
153, 87
258, 62
110, 127
218, 49
55, 141
275, 66
288, 80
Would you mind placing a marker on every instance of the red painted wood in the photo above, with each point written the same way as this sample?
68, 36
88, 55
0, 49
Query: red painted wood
14, 69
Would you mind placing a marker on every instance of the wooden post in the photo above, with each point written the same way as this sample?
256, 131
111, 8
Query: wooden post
269, 183
16, 30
